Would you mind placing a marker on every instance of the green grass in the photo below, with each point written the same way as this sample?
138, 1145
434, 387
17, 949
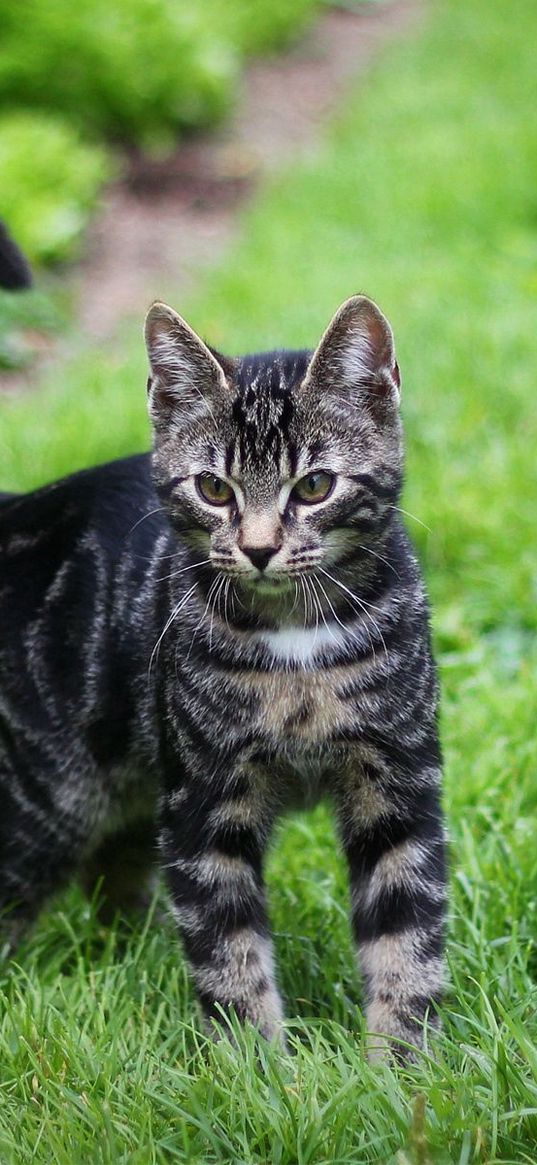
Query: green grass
424, 196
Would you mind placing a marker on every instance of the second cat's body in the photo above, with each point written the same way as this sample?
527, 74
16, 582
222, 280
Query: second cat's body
153, 688
74, 691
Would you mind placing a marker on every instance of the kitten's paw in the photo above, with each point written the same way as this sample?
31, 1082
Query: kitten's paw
395, 1035
264, 1015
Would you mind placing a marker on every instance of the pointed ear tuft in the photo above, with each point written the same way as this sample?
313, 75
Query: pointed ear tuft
185, 374
356, 356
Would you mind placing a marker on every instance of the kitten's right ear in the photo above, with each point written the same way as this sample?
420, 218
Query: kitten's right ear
185, 375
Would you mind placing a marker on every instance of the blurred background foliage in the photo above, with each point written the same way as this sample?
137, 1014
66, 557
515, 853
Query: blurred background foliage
82, 84
73, 77
140, 71
50, 181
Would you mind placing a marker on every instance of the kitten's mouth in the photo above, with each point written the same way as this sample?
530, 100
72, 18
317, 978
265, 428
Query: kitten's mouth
261, 584
268, 583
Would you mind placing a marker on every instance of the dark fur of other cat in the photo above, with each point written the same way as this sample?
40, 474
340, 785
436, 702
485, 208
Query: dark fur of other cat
193, 645
15, 274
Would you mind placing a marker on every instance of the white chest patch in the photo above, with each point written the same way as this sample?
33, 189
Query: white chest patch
302, 644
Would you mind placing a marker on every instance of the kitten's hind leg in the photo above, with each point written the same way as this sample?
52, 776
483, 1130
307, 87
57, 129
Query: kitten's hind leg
16, 920
122, 870
38, 852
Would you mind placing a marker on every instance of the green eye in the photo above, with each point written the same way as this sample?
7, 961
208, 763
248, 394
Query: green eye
314, 487
213, 489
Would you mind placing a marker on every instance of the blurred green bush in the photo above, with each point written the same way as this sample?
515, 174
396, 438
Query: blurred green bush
50, 183
136, 70
26, 321
130, 72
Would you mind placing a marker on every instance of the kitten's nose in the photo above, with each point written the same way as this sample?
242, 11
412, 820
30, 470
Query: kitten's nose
260, 555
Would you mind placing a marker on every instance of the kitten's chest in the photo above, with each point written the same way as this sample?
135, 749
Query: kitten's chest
303, 720
298, 711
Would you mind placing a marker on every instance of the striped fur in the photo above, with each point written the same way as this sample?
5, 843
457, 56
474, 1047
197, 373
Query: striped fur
167, 695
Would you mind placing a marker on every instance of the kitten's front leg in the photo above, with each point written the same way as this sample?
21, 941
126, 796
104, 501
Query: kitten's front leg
213, 841
393, 836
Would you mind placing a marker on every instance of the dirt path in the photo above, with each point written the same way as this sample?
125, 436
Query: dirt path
164, 225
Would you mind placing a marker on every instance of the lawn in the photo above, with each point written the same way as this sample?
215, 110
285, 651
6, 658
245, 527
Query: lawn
423, 194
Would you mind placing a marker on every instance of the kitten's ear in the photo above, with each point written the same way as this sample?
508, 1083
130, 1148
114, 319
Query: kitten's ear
356, 356
185, 375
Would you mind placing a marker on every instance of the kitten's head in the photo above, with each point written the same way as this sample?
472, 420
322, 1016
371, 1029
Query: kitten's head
278, 464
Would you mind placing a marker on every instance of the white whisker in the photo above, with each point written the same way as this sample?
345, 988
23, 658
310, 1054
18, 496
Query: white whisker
351, 634
176, 573
216, 599
327, 625
363, 602
315, 606
362, 605
305, 600
173, 616
210, 594
158, 510
413, 516
226, 595
367, 550
293, 608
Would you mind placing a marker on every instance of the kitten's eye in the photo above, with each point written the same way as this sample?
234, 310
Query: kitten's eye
314, 487
214, 489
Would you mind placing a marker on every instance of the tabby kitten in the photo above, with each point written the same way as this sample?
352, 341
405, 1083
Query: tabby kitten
192, 646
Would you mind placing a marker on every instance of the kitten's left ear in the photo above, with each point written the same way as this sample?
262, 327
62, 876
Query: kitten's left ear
356, 356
